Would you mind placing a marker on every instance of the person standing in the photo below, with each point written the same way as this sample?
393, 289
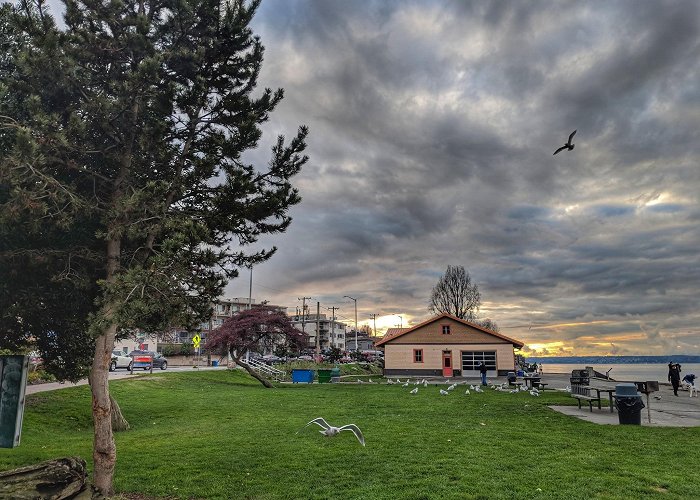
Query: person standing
674, 376
482, 369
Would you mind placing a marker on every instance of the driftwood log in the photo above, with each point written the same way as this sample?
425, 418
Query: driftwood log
62, 478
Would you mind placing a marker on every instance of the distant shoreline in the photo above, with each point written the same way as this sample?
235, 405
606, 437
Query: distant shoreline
601, 360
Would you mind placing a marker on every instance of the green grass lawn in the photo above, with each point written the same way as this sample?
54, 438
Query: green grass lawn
216, 434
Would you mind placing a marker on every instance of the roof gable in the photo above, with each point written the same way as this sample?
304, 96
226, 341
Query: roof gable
442, 317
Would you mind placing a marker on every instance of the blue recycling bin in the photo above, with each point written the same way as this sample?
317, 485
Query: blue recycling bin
302, 376
214, 363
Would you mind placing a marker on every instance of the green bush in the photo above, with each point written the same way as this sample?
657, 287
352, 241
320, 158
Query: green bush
39, 377
186, 349
168, 350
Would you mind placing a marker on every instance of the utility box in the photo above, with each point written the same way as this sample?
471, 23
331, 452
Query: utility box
13, 381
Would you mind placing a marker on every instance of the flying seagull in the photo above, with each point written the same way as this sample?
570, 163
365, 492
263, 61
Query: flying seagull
568, 145
330, 431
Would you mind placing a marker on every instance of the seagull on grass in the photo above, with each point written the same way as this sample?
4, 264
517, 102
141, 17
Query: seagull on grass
330, 431
443, 392
405, 385
415, 391
467, 392
568, 145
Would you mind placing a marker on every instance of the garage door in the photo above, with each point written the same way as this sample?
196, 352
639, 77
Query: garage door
472, 359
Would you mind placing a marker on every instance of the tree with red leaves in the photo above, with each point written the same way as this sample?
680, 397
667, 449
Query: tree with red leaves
257, 329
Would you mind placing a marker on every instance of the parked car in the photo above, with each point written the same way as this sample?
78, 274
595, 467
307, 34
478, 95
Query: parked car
271, 359
159, 361
119, 360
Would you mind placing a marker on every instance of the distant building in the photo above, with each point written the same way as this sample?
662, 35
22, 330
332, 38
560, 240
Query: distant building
332, 331
138, 341
224, 308
365, 342
447, 346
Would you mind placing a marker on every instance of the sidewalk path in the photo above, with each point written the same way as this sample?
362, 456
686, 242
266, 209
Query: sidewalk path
116, 375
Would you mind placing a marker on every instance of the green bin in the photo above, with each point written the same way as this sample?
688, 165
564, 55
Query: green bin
324, 376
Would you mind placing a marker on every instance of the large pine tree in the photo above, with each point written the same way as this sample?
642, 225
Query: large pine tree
122, 181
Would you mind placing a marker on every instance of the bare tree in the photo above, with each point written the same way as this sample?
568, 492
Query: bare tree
456, 294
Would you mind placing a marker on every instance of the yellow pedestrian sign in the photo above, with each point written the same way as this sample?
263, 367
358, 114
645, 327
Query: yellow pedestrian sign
196, 340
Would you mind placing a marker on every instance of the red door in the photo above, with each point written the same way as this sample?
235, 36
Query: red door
446, 364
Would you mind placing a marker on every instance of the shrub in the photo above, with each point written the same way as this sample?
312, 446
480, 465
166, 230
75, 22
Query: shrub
186, 349
168, 350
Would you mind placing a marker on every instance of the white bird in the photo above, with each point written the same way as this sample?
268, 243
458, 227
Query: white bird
370, 381
416, 382
398, 380
447, 381
534, 392
359, 381
415, 391
425, 384
467, 392
408, 380
477, 389
471, 387
568, 388
451, 387
330, 431
405, 385
390, 382
443, 392
424, 381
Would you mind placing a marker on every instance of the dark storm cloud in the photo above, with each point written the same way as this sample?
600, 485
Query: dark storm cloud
432, 131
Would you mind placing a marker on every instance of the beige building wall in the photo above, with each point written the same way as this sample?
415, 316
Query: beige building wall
459, 334
400, 356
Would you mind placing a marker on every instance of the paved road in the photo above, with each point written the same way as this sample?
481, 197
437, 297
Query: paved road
115, 375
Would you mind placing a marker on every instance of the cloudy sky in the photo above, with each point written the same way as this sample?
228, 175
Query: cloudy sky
432, 131
433, 125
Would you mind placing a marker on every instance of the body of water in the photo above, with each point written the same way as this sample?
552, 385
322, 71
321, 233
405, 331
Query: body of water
632, 372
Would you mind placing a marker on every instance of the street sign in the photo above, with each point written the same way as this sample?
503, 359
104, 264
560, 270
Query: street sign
196, 340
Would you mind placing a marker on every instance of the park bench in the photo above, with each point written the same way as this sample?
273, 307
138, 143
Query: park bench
583, 393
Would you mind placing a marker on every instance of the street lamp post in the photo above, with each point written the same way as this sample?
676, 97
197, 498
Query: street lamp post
400, 319
355, 300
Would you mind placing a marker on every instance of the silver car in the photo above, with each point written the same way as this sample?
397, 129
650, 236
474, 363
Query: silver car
119, 360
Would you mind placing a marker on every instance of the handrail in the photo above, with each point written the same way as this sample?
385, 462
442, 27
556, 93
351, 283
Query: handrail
256, 365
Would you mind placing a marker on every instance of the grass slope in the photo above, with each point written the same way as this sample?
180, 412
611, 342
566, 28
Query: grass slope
216, 434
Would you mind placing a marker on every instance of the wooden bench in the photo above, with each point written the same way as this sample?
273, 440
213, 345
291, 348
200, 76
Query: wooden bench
583, 393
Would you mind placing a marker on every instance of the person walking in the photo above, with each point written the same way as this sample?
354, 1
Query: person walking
674, 376
482, 369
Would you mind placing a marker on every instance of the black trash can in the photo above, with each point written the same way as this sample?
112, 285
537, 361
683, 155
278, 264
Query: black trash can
629, 404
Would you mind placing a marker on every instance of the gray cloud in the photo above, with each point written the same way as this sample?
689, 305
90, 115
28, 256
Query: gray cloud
432, 131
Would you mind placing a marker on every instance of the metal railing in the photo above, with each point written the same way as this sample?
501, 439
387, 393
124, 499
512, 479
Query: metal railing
268, 370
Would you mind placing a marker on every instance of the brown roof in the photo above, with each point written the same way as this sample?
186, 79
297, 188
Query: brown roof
404, 331
391, 333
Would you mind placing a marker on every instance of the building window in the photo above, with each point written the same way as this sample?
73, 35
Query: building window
417, 355
445, 329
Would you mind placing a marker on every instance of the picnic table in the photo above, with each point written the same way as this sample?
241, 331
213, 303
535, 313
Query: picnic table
600, 390
531, 381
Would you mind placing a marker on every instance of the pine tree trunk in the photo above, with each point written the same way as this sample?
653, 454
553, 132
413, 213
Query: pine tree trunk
104, 452
119, 423
255, 374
